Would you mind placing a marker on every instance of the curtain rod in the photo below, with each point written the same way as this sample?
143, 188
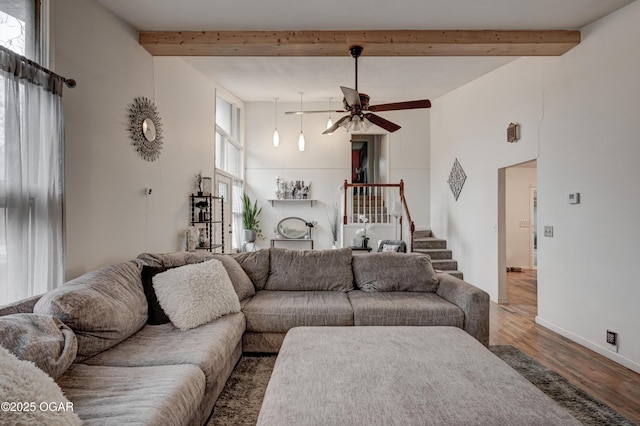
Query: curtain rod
69, 82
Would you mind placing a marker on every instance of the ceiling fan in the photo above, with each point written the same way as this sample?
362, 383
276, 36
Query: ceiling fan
360, 112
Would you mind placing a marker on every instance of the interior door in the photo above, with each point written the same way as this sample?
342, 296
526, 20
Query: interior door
223, 188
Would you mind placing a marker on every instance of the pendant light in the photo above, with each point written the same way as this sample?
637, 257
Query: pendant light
301, 142
330, 121
276, 135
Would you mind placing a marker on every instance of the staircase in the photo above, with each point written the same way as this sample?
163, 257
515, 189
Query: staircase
441, 257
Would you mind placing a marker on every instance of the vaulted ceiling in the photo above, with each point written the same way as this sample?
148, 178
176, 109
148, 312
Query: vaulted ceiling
272, 28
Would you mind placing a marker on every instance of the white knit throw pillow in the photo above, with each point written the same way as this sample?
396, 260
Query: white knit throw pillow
21, 382
196, 294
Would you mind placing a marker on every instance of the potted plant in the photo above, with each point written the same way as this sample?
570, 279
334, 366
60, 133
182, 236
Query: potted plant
250, 222
202, 205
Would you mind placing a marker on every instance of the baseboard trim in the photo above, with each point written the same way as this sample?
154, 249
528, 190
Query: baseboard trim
605, 352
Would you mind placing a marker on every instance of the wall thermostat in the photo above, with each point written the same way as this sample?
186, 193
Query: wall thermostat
574, 198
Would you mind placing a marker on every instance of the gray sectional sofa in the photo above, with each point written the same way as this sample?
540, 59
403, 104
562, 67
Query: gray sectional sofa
118, 361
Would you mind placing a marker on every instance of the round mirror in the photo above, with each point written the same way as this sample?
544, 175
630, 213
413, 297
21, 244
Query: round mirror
293, 228
149, 129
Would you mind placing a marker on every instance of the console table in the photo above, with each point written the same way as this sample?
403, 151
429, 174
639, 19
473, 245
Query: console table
291, 240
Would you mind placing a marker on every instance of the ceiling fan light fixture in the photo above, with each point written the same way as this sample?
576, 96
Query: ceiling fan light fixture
330, 121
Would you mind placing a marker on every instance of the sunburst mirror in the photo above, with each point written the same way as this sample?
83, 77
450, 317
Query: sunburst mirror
145, 128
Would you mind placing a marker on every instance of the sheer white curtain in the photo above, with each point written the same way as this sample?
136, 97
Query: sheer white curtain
31, 179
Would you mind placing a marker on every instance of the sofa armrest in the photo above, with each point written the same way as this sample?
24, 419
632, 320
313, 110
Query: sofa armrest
473, 302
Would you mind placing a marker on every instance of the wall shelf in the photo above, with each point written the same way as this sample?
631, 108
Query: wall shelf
304, 200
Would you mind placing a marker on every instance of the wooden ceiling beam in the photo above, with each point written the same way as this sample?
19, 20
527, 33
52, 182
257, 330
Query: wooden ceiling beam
375, 43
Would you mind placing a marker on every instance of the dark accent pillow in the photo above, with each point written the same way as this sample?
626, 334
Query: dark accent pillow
156, 315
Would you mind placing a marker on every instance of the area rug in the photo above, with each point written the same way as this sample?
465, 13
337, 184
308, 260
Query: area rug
240, 401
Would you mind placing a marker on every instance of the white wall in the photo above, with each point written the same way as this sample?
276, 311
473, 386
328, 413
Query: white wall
108, 217
519, 181
326, 162
579, 118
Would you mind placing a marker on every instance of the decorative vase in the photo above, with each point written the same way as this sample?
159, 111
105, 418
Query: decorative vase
202, 217
249, 235
202, 239
365, 242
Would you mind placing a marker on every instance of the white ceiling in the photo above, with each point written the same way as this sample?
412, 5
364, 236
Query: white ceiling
385, 79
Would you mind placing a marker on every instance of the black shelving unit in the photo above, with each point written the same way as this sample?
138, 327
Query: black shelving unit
208, 222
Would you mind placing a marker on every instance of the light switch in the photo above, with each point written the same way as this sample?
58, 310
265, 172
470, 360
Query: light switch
573, 198
548, 231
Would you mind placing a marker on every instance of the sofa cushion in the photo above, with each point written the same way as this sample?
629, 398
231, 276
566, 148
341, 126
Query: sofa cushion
172, 260
166, 395
102, 307
256, 265
311, 270
24, 383
42, 339
193, 295
404, 308
242, 284
279, 311
394, 272
213, 347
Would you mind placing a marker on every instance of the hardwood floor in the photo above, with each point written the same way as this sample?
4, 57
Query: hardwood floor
514, 324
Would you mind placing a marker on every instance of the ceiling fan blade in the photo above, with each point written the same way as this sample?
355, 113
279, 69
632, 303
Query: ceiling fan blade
352, 96
326, 111
381, 122
336, 125
425, 103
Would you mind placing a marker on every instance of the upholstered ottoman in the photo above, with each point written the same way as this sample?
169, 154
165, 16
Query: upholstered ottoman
399, 376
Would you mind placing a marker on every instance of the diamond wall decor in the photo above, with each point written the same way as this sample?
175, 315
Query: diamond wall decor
456, 179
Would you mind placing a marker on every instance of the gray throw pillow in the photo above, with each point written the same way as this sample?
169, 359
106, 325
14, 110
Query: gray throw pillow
394, 272
42, 339
102, 307
310, 270
242, 284
256, 266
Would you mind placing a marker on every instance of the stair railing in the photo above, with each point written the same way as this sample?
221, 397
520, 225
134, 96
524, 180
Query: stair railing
369, 200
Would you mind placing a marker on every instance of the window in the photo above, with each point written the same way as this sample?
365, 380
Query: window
31, 140
228, 150
20, 27
228, 156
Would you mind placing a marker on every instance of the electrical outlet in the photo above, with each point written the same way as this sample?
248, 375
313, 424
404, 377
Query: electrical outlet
548, 231
612, 338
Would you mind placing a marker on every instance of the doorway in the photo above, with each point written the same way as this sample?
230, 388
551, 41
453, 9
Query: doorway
223, 188
517, 222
